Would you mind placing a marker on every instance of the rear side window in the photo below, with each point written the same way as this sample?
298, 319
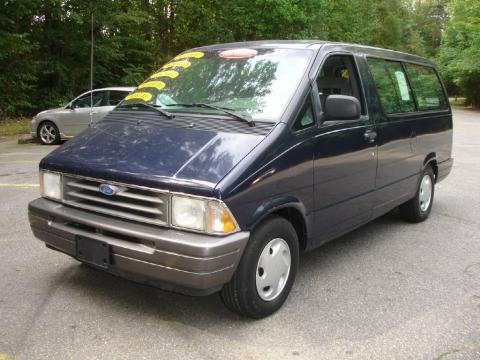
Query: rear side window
392, 86
426, 87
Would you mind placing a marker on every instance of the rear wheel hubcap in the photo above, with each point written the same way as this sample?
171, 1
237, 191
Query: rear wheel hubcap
425, 196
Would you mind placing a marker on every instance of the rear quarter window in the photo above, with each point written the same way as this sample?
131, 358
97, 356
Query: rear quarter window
426, 87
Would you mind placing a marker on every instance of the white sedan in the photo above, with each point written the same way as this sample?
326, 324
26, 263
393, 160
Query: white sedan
52, 126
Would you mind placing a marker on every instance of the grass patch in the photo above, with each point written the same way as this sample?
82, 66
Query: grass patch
445, 354
6, 357
14, 126
460, 103
457, 102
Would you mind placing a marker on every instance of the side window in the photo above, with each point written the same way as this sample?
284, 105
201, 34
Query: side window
115, 96
426, 87
339, 76
100, 98
84, 101
306, 118
392, 86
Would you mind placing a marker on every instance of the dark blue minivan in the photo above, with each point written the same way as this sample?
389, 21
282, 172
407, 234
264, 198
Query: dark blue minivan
230, 160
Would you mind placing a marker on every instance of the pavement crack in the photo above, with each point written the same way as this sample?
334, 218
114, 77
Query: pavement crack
466, 221
20, 346
472, 269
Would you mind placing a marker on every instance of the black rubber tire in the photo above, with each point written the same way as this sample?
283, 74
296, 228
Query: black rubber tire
240, 294
411, 210
57, 133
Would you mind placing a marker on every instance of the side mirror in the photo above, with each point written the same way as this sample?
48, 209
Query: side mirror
69, 106
341, 107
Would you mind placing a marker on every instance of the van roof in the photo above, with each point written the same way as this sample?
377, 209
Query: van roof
316, 44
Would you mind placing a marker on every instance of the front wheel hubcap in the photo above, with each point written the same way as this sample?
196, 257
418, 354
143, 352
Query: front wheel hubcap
273, 269
425, 196
48, 134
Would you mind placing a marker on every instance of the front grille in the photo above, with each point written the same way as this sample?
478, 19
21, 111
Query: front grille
132, 203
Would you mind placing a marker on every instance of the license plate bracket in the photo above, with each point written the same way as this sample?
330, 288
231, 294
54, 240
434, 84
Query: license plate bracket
93, 252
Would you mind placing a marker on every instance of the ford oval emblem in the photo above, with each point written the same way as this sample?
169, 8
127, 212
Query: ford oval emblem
108, 189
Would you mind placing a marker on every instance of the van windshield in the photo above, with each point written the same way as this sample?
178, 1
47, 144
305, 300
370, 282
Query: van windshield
255, 83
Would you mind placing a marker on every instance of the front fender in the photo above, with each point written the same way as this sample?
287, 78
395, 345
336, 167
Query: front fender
281, 202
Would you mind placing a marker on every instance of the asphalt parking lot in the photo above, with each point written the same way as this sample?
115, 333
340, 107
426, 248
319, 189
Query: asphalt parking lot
389, 290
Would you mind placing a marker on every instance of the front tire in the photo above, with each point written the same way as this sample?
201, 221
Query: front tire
48, 133
417, 209
266, 271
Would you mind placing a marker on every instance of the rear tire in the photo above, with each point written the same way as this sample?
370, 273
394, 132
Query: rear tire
417, 209
266, 272
48, 133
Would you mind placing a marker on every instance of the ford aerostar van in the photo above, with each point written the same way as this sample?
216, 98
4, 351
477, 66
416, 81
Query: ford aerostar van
230, 160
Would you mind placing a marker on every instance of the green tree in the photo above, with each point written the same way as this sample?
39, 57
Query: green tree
45, 44
17, 72
429, 18
383, 23
460, 50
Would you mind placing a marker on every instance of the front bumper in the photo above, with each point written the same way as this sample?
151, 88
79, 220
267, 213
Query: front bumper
175, 260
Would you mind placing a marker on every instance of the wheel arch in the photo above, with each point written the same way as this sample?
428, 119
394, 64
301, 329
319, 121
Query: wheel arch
290, 209
44, 121
431, 159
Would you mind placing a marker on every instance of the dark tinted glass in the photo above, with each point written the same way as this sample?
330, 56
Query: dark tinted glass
84, 101
426, 87
392, 86
115, 97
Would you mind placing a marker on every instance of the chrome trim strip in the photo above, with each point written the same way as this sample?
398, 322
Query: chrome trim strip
112, 182
118, 214
119, 204
121, 193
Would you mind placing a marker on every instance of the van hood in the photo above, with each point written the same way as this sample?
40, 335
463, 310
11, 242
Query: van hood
150, 154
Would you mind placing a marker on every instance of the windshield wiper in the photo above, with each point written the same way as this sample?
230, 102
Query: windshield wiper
154, 107
225, 110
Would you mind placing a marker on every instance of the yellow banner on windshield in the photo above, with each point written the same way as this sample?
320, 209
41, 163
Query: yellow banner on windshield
183, 63
172, 74
194, 54
139, 95
152, 84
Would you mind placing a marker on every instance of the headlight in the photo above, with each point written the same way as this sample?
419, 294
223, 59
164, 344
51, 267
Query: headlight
211, 216
51, 185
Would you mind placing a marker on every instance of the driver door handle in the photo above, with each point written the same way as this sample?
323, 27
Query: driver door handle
370, 135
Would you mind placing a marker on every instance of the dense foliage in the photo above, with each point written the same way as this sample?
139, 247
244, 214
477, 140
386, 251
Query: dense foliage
45, 44
460, 50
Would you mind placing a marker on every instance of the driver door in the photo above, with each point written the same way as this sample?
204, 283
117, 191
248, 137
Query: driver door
344, 156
